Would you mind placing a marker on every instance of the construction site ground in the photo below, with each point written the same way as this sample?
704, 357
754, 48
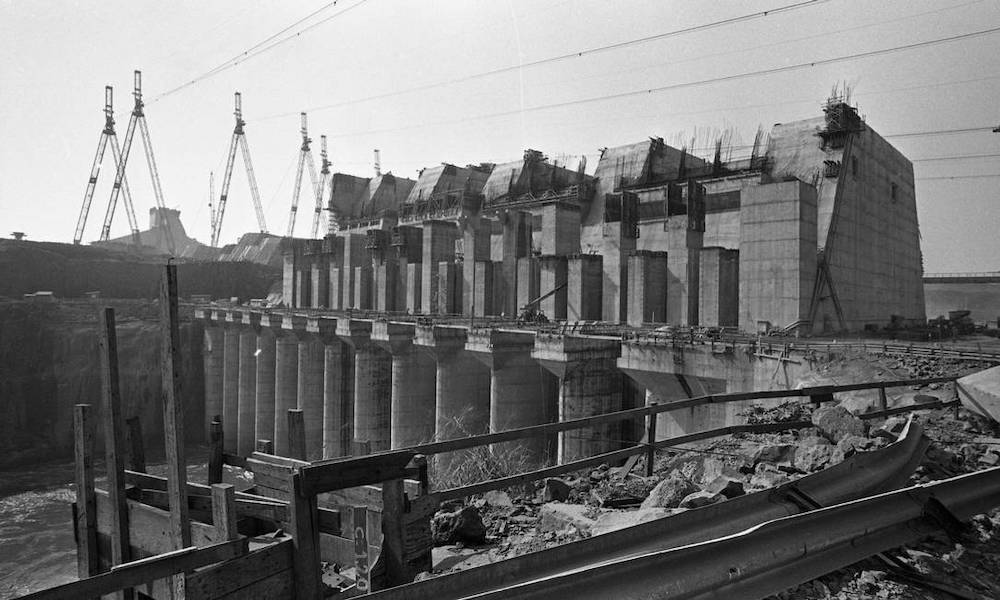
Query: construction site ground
501, 525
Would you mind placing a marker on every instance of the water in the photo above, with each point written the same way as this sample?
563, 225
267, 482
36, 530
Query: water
37, 549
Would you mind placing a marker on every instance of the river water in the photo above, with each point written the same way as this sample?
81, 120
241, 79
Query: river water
37, 549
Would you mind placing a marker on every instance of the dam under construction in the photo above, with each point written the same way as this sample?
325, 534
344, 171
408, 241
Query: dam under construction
520, 380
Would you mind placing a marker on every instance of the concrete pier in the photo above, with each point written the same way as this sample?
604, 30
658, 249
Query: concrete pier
462, 383
230, 387
589, 384
247, 391
214, 353
310, 394
286, 374
338, 387
518, 392
413, 385
372, 384
264, 417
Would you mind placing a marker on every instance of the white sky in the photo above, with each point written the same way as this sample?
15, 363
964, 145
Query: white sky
57, 56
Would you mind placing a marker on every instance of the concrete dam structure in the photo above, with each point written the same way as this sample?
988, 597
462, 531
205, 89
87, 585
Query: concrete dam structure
815, 232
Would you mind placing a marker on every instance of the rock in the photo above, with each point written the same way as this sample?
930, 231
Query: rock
767, 477
615, 520
556, 490
669, 492
775, 454
498, 499
715, 468
990, 458
891, 429
925, 399
726, 486
699, 499
836, 423
558, 516
813, 454
464, 525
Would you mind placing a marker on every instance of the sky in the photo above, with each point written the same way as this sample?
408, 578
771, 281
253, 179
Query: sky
456, 81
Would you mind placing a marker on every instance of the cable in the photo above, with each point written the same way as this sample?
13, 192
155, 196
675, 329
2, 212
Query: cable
960, 157
984, 176
733, 77
562, 57
939, 132
260, 48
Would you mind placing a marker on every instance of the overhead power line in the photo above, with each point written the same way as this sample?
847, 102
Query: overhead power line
708, 81
983, 176
567, 56
268, 43
959, 157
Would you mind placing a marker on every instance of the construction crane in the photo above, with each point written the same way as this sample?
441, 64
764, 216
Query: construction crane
139, 118
324, 177
107, 134
239, 139
305, 158
211, 198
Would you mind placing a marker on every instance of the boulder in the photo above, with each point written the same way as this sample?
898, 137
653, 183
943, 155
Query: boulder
559, 516
498, 499
813, 454
699, 499
774, 453
615, 520
556, 490
836, 423
726, 486
463, 525
669, 492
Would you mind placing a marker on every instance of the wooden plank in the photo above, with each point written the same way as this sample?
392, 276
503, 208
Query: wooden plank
138, 572
265, 446
305, 541
322, 477
278, 460
406, 535
134, 442
296, 434
114, 447
217, 581
279, 585
215, 451
150, 526
224, 511
651, 442
173, 408
86, 503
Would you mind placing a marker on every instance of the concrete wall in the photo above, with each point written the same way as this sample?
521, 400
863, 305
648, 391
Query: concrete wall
777, 253
719, 291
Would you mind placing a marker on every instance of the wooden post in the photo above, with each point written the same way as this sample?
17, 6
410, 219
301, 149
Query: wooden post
651, 442
224, 512
361, 448
215, 451
86, 500
173, 418
305, 541
420, 462
137, 452
296, 434
361, 561
265, 446
114, 446
883, 402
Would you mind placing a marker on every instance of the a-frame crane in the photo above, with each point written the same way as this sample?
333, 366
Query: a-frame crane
139, 118
305, 158
211, 198
107, 134
239, 139
324, 177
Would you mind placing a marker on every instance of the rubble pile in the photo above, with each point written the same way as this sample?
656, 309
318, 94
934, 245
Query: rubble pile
556, 511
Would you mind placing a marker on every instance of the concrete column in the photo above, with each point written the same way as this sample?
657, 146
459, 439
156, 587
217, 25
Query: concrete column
372, 384
462, 383
438, 246
230, 388
286, 371
483, 294
553, 275
414, 280
412, 404
214, 354
518, 391
336, 288
321, 281
264, 420
362, 287
354, 255
475, 250
584, 286
560, 229
589, 384
528, 281
247, 392
310, 394
338, 399
516, 244
648, 288
719, 289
